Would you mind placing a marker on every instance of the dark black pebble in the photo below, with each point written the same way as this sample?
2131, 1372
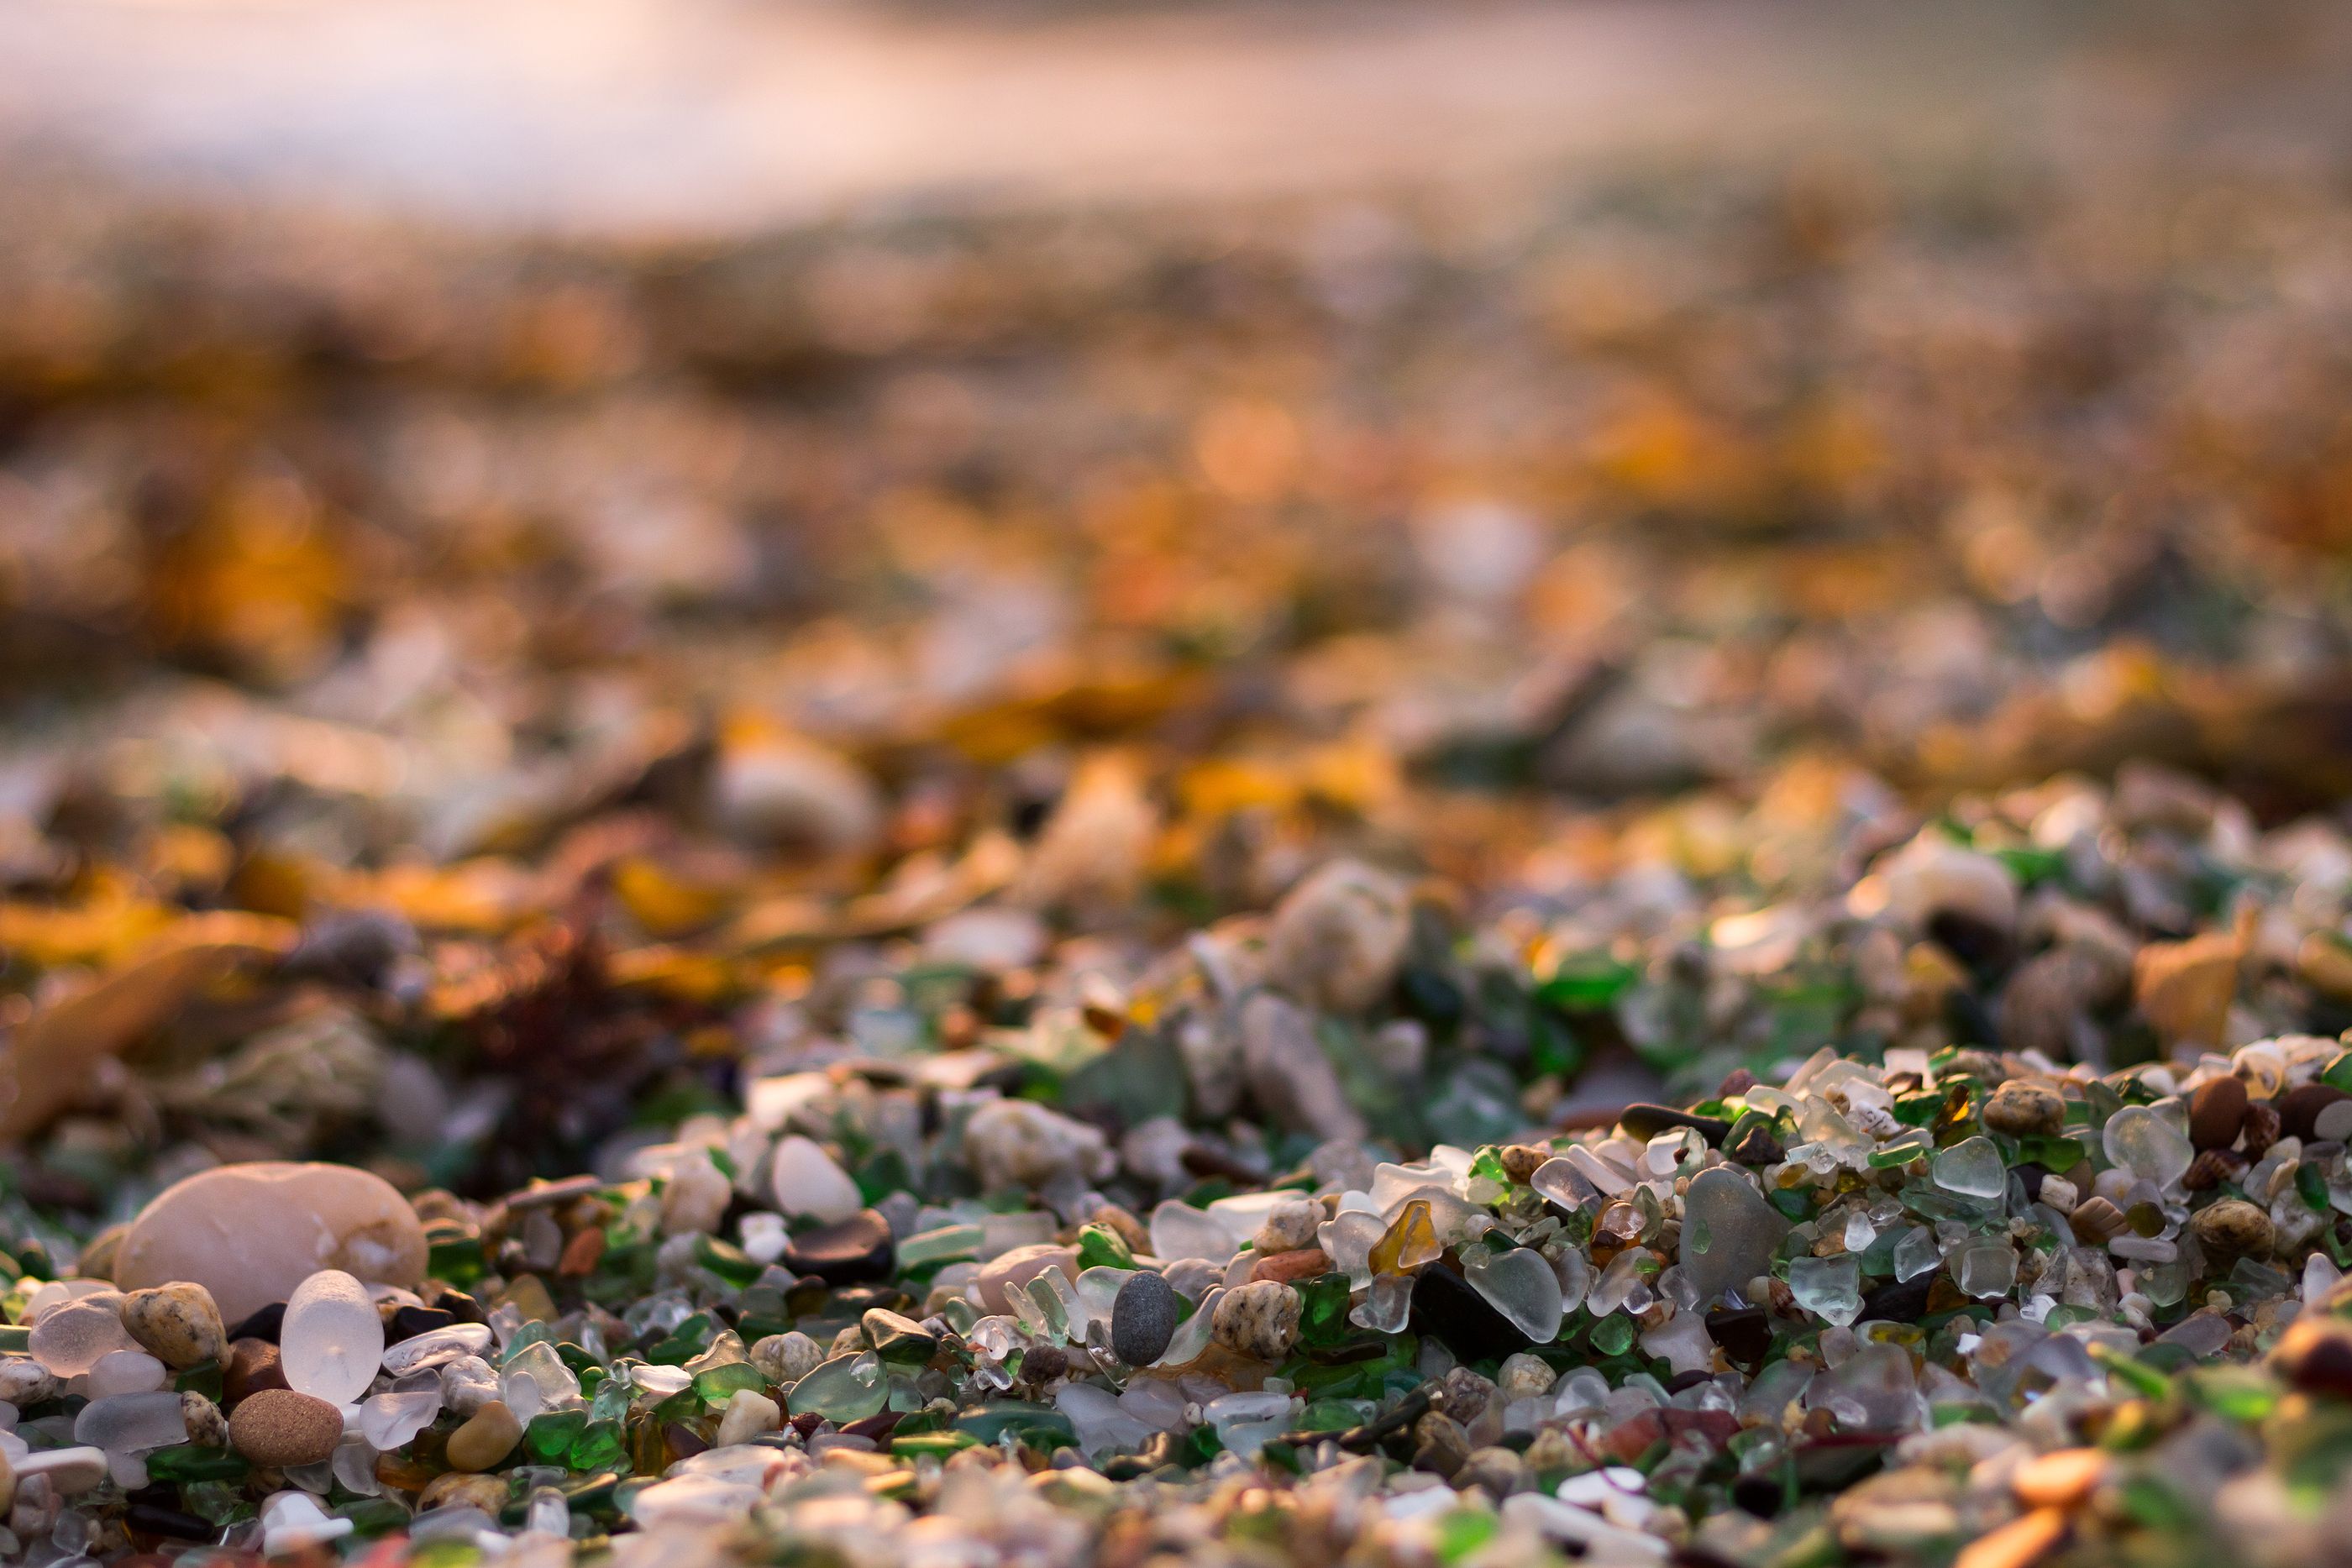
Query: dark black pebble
151, 1519
1443, 1304
847, 1253
1745, 1333
262, 1324
1899, 1301
1647, 1121
1142, 1319
461, 1307
407, 1322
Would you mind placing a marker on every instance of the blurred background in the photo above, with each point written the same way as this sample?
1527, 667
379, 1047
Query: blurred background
811, 466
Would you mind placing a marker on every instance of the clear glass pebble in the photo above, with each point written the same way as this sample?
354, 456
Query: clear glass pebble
1829, 1287
1348, 1240
1916, 1254
74, 1337
132, 1423
1179, 1231
353, 1465
126, 1371
390, 1420
1520, 1284
1986, 1270
1560, 1182
1619, 1285
2144, 1141
1972, 1168
1387, 1306
332, 1342
536, 1381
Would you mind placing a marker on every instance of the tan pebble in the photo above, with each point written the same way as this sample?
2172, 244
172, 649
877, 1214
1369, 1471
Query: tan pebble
1523, 1377
1289, 1226
207, 1426
2063, 1479
2234, 1226
748, 1414
280, 1427
250, 1233
7, 1483
458, 1488
178, 1324
1521, 1161
488, 1436
786, 1357
2017, 1543
1258, 1320
2024, 1109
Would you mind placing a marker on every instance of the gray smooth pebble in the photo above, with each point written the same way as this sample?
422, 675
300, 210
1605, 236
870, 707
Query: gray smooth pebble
1142, 1319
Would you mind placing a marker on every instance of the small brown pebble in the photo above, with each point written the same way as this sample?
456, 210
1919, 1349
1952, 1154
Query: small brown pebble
2063, 1479
178, 1324
2216, 1112
7, 1483
2261, 1129
2300, 1106
459, 1489
1442, 1440
2096, 1221
1521, 1161
2211, 1168
1738, 1081
2024, 1109
279, 1427
251, 1368
488, 1436
1045, 1364
581, 1253
1258, 1320
1286, 1267
2234, 1227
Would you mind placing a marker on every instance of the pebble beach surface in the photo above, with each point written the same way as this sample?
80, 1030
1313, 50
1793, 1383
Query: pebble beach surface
1936, 1298
1659, 876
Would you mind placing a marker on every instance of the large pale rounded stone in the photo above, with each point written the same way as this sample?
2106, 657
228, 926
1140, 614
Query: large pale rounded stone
250, 1233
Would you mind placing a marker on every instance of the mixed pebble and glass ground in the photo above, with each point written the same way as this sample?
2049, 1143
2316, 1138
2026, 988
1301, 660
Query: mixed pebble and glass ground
1652, 881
